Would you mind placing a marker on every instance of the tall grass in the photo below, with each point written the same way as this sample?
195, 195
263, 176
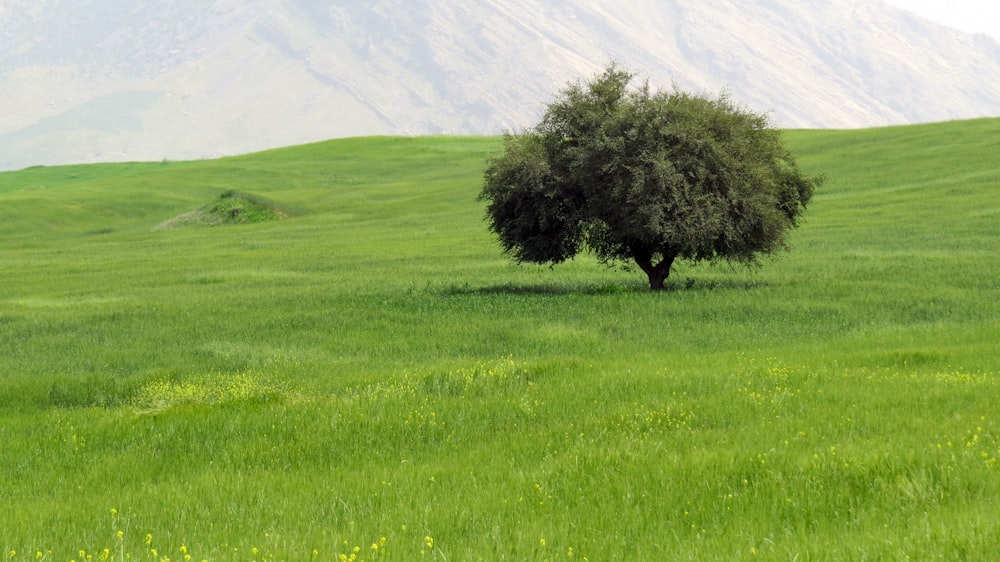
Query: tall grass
371, 378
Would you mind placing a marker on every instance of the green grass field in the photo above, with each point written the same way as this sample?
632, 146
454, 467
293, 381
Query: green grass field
361, 375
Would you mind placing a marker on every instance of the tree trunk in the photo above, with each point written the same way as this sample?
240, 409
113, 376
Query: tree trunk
657, 273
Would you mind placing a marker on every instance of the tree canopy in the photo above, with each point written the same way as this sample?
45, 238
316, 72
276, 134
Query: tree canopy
643, 176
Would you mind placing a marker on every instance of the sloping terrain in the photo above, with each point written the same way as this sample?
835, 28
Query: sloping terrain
373, 377
97, 80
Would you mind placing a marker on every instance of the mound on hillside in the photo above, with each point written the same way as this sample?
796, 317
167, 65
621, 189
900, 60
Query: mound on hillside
232, 207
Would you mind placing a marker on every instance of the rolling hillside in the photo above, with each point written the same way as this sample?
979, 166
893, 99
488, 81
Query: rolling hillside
365, 374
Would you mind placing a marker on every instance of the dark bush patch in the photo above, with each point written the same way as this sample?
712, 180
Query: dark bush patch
232, 207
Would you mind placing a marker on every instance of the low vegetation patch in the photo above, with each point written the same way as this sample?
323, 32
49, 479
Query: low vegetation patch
232, 207
248, 387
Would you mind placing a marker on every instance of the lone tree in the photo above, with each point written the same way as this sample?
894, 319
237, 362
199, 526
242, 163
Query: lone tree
643, 176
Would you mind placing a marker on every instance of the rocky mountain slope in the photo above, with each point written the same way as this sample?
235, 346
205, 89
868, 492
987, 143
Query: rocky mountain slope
112, 80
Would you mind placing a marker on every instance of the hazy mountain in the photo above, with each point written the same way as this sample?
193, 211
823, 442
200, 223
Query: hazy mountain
111, 80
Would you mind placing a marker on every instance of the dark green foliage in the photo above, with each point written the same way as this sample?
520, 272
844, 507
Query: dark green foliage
643, 176
232, 207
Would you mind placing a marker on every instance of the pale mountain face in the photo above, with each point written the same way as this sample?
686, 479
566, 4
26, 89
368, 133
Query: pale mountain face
112, 80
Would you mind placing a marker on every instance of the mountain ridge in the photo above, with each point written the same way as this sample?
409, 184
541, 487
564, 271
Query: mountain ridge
109, 81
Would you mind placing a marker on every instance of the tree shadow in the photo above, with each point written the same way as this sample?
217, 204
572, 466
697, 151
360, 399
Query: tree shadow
544, 289
695, 284
635, 287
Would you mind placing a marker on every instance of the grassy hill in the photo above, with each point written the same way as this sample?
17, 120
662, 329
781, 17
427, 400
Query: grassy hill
365, 369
